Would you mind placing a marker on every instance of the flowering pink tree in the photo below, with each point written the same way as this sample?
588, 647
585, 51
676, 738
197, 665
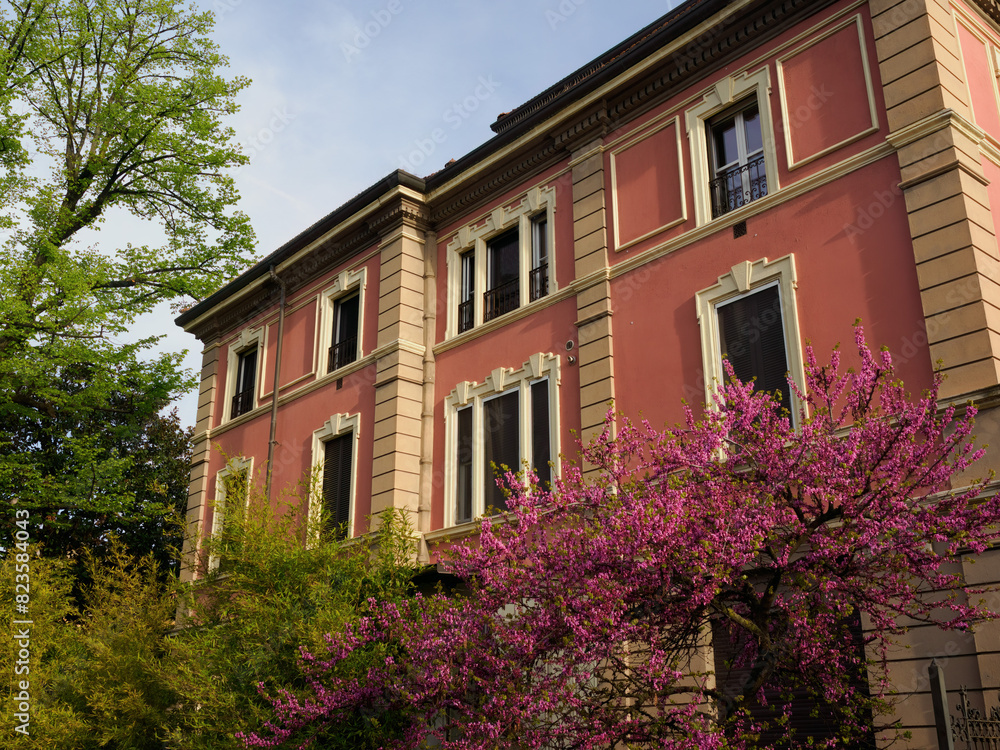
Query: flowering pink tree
711, 580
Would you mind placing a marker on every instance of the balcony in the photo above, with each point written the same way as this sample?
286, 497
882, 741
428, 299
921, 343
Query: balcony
342, 353
738, 186
465, 316
242, 403
501, 299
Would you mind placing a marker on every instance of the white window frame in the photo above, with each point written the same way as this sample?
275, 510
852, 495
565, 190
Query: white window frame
501, 381
475, 237
247, 339
334, 427
743, 279
234, 466
730, 92
344, 285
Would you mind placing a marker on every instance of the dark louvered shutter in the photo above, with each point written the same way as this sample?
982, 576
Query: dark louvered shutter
541, 454
337, 485
752, 336
501, 444
810, 716
463, 495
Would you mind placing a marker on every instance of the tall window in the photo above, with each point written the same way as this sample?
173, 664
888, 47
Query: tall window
739, 174
750, 317
501, 424
232, 487
503, 275
337, 474
467, 294
335, 458
246, 377
344, 345
752, 337
538, 279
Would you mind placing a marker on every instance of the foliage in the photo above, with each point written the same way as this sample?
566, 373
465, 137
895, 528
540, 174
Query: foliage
111, 670
591, 609
108, 109
121, 469
271, 598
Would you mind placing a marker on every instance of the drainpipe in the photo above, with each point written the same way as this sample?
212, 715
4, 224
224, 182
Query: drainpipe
427, 411
274, 392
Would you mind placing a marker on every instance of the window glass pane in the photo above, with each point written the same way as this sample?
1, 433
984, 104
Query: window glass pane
751, 121
463, 511
726, 148
501, 444
347, 319
539, 251
247, 370
503, 259
541, 452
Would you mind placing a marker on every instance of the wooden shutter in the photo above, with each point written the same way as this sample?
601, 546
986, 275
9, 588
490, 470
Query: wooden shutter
337, 485
752, 336
541, 453
810, 716
463, 494
501, 439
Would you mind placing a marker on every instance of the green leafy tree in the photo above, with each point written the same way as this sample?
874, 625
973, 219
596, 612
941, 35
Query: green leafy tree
112, 668
107, 108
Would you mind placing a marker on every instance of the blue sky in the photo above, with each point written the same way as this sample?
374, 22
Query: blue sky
344, 93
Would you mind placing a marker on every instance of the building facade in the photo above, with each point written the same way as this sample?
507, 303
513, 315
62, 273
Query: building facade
739, 177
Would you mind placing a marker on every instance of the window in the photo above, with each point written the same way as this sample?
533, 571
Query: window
739, 174
503, 290
344, 346
232, 495
507, 258
538, 279
241, 373
731, 140
750, 318
246, 378
341, 320
337, 474
505, 421
752, 338
335, 456
467, 301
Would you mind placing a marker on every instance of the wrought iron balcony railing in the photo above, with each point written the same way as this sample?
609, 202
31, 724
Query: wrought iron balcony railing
342, 353
502, 299
538, 282
465, 313
242, 402
738, 186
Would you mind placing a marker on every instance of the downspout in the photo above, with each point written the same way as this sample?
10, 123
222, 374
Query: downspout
427, 410
274, 392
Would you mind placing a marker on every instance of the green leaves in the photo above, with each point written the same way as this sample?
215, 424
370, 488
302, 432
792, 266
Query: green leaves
120, 107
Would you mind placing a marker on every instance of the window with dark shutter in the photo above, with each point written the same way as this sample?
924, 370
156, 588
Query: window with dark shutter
809, 715
501, 444
463, 511
752, 337
337, 486
541, 452
503, 292
246, 376
344, 347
